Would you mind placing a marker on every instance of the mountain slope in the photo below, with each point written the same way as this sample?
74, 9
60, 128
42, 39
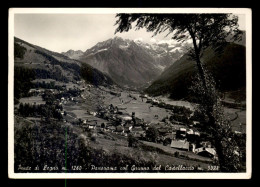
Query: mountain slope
73, 54
129, 63
51, 65
228, 69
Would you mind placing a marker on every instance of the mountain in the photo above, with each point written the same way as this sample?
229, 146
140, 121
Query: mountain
163, 53
73, 54
228, 69
129, 63
47, 64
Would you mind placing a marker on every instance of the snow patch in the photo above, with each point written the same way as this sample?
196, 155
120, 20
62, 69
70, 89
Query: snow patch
101, 50
124, 46
161, 67
98, 51
179, 49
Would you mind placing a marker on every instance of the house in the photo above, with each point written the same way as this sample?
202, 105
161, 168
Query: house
155, 101
190, 131
93, 113
180, 144
125, 118
206, 152
91, 126
181, 133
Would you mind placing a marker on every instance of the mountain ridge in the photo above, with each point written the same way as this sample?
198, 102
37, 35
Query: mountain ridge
228, 70
49, 64
129, 63
73, 54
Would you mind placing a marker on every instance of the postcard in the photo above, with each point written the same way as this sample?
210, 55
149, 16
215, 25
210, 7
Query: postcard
130, 93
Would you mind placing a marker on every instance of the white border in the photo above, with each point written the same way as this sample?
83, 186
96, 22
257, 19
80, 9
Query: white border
246, 175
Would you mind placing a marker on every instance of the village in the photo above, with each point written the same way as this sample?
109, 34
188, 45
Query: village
175, 127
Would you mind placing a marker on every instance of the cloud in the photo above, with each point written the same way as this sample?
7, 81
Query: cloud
153, 40
169, 42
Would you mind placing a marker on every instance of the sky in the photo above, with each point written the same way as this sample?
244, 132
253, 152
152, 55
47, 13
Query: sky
62, 32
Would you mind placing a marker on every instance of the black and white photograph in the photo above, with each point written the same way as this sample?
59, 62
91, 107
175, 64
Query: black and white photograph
129, 93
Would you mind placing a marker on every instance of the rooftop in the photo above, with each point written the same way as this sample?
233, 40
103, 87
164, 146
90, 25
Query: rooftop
180, 144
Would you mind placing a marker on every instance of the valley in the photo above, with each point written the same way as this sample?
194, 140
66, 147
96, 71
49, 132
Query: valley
84, 113
103, 119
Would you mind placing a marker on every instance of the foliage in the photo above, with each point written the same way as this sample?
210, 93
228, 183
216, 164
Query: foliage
210, 111
103, 125
93, 76
152, 134
56, 145
167, 141
47, 110
180, 118
240, 139
67, 66
50, 85
72, 67
93, 138
48, 97
132, 141
45, 74
176, 154
22, 81
39, 144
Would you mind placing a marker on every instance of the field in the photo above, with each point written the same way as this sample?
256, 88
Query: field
238, 118
33, 99
142, 109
